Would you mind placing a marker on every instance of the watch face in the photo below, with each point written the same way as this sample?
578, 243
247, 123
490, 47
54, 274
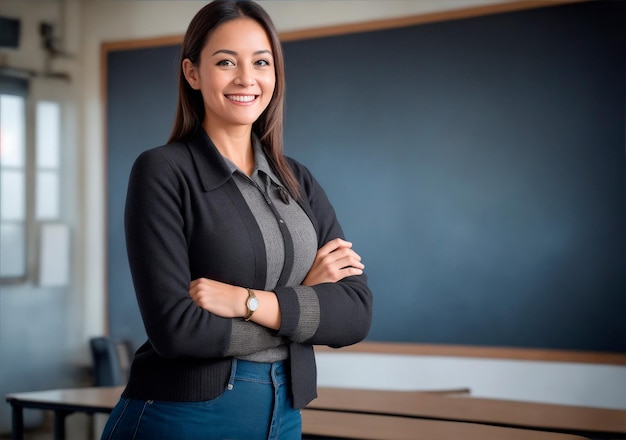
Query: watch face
253, 304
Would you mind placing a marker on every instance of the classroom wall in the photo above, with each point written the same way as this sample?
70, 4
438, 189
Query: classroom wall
41, 328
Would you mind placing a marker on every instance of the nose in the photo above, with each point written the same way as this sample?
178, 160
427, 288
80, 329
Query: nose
245, 77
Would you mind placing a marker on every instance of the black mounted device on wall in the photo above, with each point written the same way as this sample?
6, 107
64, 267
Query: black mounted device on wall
9, 32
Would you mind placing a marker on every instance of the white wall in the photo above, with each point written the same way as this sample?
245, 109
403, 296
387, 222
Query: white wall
602, 386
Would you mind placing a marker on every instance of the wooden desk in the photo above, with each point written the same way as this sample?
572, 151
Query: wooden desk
585, 421
376, 427
344, 403
62, 403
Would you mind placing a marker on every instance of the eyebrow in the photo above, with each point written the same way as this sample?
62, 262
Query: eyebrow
233, 53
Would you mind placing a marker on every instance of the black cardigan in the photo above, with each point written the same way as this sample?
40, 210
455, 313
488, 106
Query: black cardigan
185, 218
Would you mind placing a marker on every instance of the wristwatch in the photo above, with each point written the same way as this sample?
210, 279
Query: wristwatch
252, 303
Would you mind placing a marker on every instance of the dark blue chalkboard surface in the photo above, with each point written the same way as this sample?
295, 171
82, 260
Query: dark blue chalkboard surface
478, 165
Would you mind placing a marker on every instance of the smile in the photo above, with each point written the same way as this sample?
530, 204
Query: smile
242, 98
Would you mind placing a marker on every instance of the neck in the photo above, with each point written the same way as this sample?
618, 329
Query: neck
235, 144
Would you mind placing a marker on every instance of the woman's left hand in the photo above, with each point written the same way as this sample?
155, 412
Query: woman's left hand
219, 298
333, 262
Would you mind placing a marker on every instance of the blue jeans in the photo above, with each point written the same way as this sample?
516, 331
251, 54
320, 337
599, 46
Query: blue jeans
256, 405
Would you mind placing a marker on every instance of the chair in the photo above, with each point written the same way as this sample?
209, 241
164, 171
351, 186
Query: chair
109, 361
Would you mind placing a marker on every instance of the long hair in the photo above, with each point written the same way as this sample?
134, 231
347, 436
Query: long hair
190, 108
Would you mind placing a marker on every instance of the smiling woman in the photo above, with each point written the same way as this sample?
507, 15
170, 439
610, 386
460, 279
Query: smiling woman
238, 261
236, 78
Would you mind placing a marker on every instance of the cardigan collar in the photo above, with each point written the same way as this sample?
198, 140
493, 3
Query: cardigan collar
211, 168
214, 169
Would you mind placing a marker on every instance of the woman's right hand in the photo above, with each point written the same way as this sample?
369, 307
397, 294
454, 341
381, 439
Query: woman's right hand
333, 262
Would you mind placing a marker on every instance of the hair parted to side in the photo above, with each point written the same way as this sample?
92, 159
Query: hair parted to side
190, 109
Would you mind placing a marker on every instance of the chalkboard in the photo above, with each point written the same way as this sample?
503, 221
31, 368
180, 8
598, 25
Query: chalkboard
478, 165
141, 99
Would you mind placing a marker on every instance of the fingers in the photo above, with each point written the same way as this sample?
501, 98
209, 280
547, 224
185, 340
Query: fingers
219, 298
339, 254
204, 291
196, 286
334, 245
334, 261
344, 258
349, 271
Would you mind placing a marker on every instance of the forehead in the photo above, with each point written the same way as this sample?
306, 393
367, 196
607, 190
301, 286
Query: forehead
242, 33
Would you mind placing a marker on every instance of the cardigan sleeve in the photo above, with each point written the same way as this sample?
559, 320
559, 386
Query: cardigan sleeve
158, 255
344, 308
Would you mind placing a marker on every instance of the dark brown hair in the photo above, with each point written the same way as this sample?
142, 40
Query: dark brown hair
190, 109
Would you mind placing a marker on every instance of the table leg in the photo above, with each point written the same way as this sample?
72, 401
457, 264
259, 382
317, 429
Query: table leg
59, 424
17, 428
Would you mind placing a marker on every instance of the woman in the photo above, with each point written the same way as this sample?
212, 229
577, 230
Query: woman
237, 258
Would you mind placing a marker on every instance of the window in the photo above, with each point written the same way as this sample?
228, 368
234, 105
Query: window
47, 141
13, 191
30, 179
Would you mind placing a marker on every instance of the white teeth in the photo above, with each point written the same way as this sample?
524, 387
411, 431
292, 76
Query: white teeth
240, 98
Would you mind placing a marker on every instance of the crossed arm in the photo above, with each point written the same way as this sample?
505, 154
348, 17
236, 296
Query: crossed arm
333, 262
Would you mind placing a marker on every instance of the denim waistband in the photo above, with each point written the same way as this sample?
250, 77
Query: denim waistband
261, 372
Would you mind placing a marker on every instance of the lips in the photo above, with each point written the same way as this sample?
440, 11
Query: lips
242, 98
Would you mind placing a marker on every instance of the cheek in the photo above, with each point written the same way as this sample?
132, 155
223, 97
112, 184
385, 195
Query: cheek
270, 85
214, 81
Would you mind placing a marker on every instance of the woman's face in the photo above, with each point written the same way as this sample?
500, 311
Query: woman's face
235, 75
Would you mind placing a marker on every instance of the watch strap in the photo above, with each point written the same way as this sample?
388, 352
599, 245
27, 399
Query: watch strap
250, 311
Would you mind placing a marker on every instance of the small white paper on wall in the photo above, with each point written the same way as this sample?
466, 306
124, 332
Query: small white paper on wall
54, 255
